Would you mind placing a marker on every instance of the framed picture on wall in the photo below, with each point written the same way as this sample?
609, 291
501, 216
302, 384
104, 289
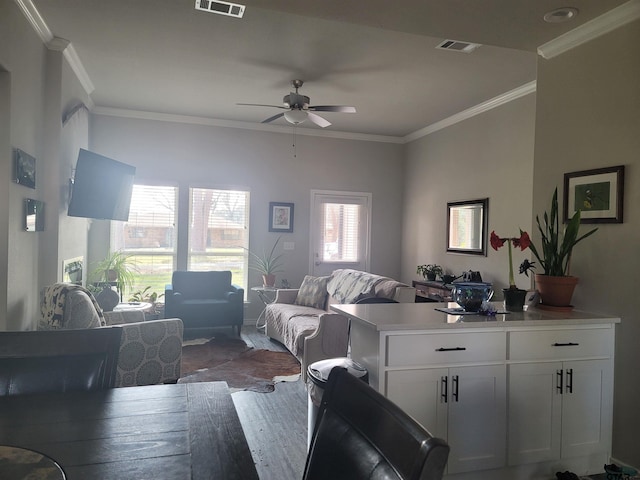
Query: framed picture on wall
25, 169
598, 194
280, 217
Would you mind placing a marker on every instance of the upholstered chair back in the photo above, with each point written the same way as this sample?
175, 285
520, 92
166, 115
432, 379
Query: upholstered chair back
194, 285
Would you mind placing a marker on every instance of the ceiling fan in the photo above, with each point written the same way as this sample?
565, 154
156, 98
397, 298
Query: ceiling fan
298, 109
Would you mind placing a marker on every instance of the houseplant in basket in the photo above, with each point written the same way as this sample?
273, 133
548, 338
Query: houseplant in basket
430, 271
268, 264
513, 296
556, 284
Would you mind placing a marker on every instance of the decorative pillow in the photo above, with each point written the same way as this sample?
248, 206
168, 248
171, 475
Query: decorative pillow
313, 292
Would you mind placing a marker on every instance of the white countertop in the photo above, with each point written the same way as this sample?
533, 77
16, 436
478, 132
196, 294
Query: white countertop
424, 316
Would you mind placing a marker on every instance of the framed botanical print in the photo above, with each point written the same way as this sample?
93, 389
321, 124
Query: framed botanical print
280, 217
598, 194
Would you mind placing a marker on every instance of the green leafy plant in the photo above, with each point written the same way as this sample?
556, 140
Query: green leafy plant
557, 246
430, 270
145, 296
116, 267
267, 263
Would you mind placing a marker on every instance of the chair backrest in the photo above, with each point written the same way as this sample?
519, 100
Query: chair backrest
193, 285
360, 434
58, 360
377, 300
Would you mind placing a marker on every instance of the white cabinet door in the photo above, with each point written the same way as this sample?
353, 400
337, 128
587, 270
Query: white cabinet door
586, 408
465, 406
559, 410
535, 408
420, 394
477, 418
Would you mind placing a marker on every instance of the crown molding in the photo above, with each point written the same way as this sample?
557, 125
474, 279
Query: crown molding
605, 23
35, 19
212, 122
490, 104
57, 44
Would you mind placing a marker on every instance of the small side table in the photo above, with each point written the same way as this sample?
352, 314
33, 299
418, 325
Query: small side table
267, 295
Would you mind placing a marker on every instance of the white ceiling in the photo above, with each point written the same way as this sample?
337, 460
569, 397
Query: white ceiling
163, 56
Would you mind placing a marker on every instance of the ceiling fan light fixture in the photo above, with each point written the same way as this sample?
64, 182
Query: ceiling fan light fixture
295, 116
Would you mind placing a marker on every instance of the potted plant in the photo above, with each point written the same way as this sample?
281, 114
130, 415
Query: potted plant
145, 296
268, 264
513, 296
556, 284
74, 270
430, 271
116, 269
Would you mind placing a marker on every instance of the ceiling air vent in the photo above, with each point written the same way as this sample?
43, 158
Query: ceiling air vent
458, 46
223, 8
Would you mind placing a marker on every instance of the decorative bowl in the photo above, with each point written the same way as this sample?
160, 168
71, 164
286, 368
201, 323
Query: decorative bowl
470, 295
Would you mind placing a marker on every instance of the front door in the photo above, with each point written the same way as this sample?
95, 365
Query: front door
340, 231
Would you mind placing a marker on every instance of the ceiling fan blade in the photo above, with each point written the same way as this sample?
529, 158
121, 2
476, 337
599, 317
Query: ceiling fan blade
318, 120
275, 117
261, 105
333, 108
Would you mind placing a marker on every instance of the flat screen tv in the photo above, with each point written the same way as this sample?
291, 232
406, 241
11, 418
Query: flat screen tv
101, 188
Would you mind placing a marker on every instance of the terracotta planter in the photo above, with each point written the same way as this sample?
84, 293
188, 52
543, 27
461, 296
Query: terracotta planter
556, 291
269, 280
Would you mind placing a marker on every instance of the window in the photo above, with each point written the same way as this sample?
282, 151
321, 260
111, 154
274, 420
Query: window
219, 232
149, 236
339, 231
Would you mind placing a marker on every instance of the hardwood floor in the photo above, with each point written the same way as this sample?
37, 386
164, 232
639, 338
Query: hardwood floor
275, 423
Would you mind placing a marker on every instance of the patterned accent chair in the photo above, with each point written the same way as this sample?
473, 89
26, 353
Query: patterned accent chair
204, 300
150, 351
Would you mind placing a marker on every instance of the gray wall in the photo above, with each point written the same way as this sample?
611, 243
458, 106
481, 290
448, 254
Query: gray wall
263, 163
588, 116
489, 155
35, 87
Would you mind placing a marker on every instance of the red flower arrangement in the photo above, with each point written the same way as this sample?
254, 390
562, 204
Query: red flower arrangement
521, 242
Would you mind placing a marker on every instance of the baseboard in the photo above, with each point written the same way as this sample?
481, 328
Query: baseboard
620, 463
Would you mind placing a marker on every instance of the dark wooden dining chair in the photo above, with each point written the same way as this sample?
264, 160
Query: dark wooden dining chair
360, 434
58, 360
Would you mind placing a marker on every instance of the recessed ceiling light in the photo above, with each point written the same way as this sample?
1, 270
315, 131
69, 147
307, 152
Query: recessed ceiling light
560, 15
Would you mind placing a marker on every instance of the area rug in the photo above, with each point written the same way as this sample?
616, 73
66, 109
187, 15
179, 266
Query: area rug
233, 361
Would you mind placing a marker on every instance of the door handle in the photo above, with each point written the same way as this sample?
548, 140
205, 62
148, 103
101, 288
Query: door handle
559, 378
454, 388
569, 380
451, 349
568, 344
444, 389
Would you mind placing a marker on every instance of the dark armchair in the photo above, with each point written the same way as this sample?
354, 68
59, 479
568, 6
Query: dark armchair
204, 300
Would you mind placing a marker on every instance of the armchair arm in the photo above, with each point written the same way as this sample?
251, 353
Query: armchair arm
235, 294
286, 295
150, 352
330, 340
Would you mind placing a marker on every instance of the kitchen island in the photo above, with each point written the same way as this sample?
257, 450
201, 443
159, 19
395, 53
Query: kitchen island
516, 395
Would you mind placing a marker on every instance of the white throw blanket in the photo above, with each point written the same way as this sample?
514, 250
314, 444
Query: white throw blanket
347, 286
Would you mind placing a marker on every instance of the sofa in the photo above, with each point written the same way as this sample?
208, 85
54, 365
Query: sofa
150, 351
204, 300
302, 321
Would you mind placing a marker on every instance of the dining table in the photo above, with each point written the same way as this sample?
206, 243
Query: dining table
176, 431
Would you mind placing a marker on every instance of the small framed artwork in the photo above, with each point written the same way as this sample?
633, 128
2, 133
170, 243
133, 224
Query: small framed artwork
280, 217
25, 169
33, 215
598, 194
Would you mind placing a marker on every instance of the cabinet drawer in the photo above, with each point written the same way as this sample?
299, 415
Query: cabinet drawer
560, 344
444, 348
